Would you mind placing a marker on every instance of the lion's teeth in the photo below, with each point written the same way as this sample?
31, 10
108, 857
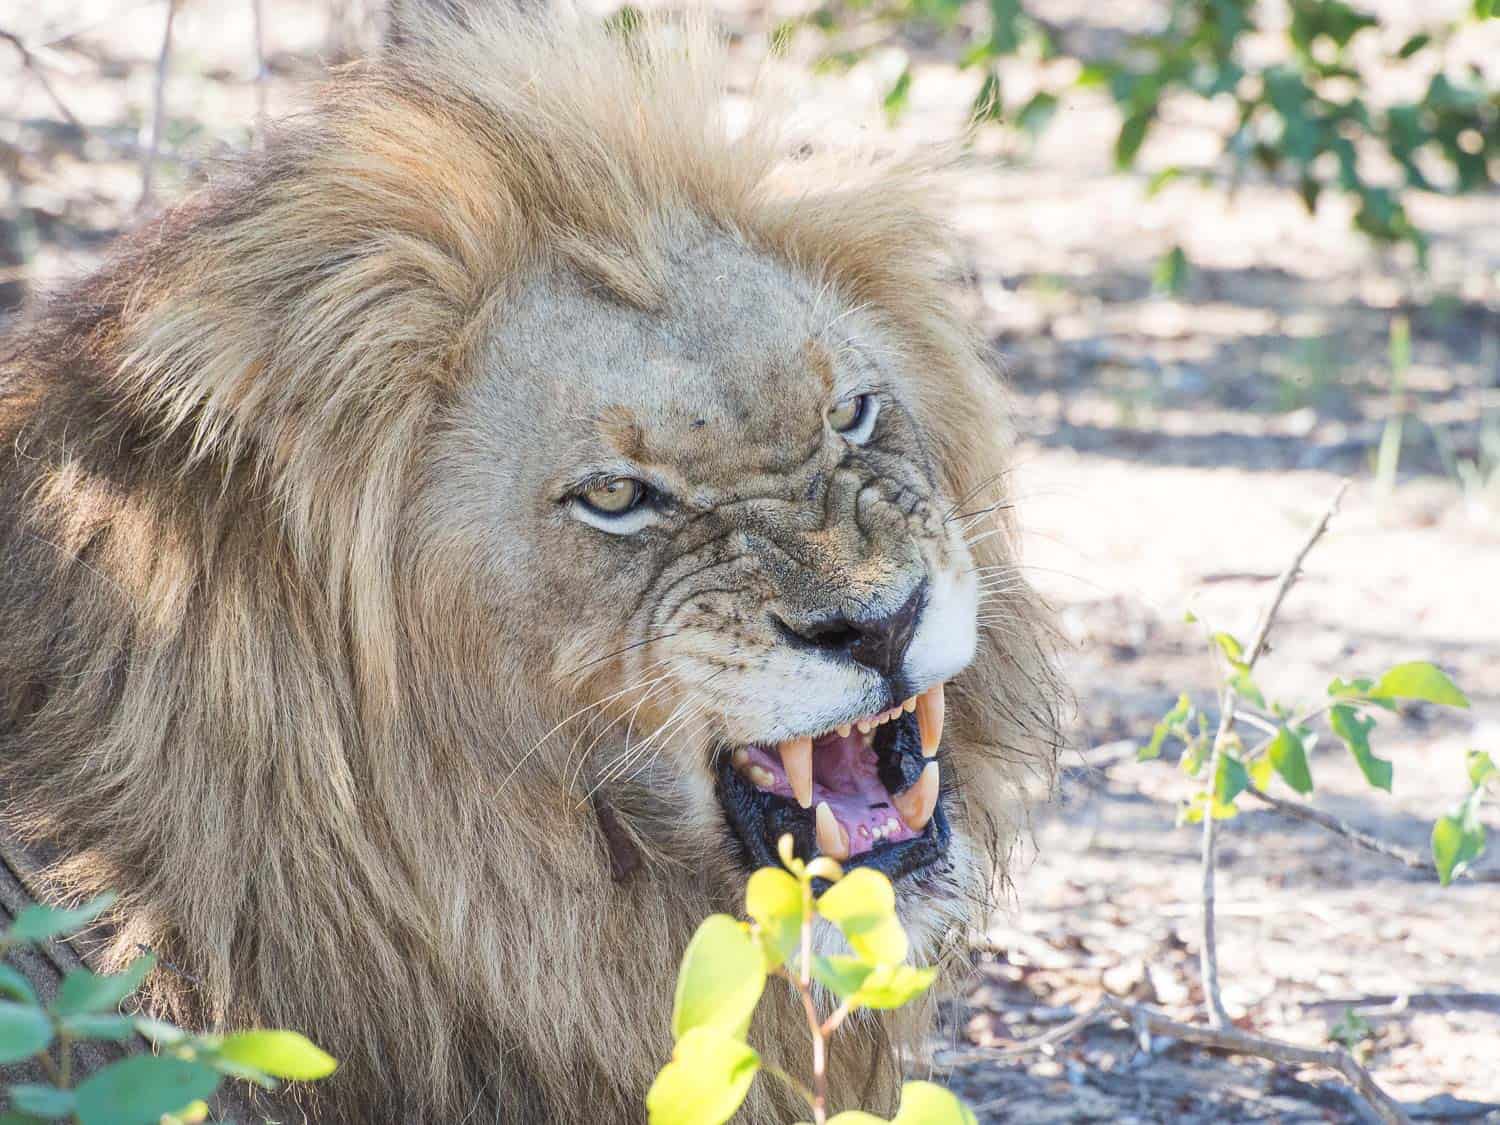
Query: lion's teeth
762, 776
910, 705
741, 758
918, 802
833, 840
865, 726
844, 730
796, 759
930, 719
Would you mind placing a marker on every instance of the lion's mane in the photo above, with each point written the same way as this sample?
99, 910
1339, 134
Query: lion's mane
225, 694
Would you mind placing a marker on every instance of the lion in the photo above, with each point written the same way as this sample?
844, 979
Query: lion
447, 550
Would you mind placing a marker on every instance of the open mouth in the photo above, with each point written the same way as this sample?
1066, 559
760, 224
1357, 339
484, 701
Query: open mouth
868, 792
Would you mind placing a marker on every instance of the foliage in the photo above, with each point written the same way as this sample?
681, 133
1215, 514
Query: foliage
1301, 114
1287, 739
723, 976
169, 1086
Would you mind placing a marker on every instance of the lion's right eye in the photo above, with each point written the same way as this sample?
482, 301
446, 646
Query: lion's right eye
614, 497
618, 505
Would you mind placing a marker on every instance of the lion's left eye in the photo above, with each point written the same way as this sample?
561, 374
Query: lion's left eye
854, 417
618, 506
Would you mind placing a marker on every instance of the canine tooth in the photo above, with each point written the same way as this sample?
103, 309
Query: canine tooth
796, 759
930, 719
762, 776
741, 757
910, 705
865, 726
917, 803
844, 730
833, 840
863, 832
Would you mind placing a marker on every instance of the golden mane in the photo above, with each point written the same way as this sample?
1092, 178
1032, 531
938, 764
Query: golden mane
215, 696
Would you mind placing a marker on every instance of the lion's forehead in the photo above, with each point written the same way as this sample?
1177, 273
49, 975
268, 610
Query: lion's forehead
730, 375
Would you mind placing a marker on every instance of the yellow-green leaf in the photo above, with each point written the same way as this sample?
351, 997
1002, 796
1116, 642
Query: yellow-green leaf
863, 906
924, 1103
1458, 839
1481, 768
1354, 729
1419, 680
774, 899
891, 986
707, 1079
281, 1054
720, 981
841, 975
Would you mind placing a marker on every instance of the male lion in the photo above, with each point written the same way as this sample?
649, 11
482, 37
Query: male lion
445, 553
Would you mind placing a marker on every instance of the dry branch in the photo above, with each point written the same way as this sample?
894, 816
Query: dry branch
1347, 831
158, 108
1209, 953
33, 65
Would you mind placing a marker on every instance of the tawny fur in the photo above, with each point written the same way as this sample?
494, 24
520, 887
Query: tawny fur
318, 763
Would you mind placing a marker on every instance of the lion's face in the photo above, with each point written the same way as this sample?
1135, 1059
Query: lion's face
725, 517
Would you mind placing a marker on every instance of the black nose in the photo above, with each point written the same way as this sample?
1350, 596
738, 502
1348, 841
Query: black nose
876, 642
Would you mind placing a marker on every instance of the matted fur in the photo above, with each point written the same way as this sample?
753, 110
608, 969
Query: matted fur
319, 765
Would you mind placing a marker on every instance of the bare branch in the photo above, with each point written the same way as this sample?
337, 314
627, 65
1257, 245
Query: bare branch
1209, 953
158, 108
1413, 860
1230, 1039
39, 72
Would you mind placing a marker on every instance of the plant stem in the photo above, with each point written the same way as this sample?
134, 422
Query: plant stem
1209, 953
815, 1025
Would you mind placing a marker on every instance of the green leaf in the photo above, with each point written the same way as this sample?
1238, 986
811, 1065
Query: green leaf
42, 923
1289, 756
1351, 1030
281, 1054
1172, 272
1261, 772
1132, 135
773, 897
863, 906
894, 102
1458, 839
989, 103
1419, 680
840, 974
1413, 45
1247, 689
116, 1029
924, 1103
83, 991
24, 1030
1179, 714
1354, 730
1233, 651
41, 1101
720, 981
1037, 112
1486, 9
1231, 780
138, 1090
1159, 181
891, 986
707, 1079
13, 983
160, 1032
1481, 767
10, 1117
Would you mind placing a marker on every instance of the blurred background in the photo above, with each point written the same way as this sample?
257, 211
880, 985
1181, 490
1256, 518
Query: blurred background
1228, 253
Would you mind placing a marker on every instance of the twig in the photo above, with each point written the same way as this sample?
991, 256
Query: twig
257, 19
158, 108
1411, 859
1209, 953
1228, 1039
39, 72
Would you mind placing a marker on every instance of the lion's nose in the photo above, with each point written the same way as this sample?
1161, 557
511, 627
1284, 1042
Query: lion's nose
876, 642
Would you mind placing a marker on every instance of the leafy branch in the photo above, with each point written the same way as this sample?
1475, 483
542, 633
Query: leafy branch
169, 1086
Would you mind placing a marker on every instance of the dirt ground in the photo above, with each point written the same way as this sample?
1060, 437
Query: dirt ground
1173, 451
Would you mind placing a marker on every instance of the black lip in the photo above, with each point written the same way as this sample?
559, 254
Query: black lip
759, 819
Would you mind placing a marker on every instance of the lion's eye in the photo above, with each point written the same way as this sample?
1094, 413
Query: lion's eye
614, 497
854, 417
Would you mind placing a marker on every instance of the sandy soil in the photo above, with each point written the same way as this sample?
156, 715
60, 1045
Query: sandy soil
1173, 451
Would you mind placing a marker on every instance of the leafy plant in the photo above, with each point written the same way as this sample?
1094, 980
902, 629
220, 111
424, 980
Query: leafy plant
724, 973
1300, 113
169, 1086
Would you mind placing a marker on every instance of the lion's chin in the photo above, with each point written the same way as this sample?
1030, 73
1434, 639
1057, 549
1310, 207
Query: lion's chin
868, 793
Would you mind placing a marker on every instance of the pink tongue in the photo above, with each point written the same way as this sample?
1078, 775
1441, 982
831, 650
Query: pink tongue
844, 775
